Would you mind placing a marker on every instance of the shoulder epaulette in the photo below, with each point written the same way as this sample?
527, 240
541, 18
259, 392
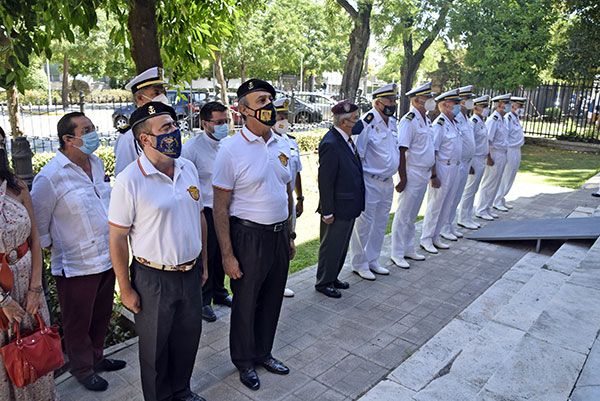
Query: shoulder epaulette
368, 118
410, 115
441, 121
495, 116
474, 119
292, 137
509, 117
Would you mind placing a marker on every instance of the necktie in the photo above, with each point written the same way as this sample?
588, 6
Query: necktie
354, 149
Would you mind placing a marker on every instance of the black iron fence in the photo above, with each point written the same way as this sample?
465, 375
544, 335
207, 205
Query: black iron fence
560, 110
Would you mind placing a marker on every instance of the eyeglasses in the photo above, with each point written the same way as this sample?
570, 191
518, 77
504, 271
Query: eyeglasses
219, 122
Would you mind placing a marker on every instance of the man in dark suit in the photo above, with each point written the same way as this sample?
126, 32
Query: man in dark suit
342, 196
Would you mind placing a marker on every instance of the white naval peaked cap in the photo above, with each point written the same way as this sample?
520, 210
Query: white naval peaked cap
518, 99
466, 91
152, 76
482, 100
450, 95
502, 98
423, 90
389, 90
282, 104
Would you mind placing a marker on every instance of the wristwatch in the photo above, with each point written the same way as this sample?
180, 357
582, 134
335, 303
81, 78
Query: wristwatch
300, 198
292, 235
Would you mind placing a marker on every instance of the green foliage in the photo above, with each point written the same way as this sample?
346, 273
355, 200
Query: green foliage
552, 113
508, 44
105, 153
308, 142
40, 96
39, 160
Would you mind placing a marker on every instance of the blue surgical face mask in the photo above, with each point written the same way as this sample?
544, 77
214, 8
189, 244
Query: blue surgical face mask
456, 110
169, 144
91, 141
358, 127
507, 107
221, 131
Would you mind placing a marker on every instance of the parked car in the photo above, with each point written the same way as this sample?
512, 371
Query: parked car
319, 101
300, 111
180, 101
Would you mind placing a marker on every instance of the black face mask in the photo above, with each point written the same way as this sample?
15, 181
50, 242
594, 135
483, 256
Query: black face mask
266, 114
389, 110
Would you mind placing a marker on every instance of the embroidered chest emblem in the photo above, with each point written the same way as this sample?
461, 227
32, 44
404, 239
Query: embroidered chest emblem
283, 159
194, 192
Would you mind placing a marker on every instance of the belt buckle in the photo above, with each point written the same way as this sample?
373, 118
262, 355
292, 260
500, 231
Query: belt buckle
181, 268
12, 256
278, 227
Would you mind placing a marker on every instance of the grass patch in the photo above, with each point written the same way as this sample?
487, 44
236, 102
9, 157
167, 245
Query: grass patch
557, 167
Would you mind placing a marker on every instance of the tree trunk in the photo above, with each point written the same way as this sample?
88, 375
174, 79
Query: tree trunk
223, 85
12, 96
408, 71
359, 41
145, 49
243, 70
65, 83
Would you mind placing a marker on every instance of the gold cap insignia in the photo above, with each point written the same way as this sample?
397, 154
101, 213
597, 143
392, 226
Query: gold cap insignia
283, 159
194, 192
250, 85
151, 110
286, 103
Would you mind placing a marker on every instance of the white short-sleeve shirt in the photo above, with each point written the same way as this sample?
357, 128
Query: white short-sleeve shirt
447, 142
257, 173
125, 151
295, 162
163, 215
466, 135
516, 137
415, 134
71, 213
482, 147
202, 151
377, 145
497, 131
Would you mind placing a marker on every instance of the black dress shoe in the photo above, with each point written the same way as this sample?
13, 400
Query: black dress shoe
275, 366
341, 285
249, 378
227, 301
94, 383
191, 397
330, 292
109, 365
596, 194
208, 314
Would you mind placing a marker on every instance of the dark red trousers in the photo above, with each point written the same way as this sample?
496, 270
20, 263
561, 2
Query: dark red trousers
86, 306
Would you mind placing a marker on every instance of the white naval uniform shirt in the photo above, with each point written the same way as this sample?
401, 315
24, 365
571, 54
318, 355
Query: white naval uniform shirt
202, 151
466, 135
294, 163
516, 137
163, 214
480, 133
416, 134
125, 151
71, 213
257, 173
497, 131
446, 139
377, 146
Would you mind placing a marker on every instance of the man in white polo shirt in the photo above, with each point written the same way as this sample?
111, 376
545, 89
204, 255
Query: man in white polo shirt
253, 202
156, 204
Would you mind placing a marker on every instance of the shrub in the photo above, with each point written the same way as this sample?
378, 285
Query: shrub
552, 113
308, 142
105, 153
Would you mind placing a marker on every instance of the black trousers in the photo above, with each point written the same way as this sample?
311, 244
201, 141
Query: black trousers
169, 327
264, 258
335, 238
214, 288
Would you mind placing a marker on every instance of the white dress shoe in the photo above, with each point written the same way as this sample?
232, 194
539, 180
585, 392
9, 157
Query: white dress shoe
468, 224
441, 245
400, 262
508, 205
414, 256
457, 233
288, 293
366, 274
484, 216
449, 236
501, 208
494, 215
379, 270
428, 246
477, 224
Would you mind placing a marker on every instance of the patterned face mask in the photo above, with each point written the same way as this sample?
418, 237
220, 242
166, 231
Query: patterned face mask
169, 144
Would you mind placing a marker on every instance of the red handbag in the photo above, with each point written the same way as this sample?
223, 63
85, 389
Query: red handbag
29, 358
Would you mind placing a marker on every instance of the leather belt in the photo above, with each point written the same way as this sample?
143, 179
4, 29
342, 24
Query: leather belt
379, 178
184, 267
15, 254
265, 227
449, 162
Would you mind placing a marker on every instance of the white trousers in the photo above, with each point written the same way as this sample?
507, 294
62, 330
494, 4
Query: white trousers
513, 161
459, 187
409, 204
491, 181
465, 209
369, 228
439, 201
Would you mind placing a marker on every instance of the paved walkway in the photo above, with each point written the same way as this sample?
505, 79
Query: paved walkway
339, 349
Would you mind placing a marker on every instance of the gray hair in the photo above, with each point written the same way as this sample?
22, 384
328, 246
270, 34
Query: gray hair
338, 118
